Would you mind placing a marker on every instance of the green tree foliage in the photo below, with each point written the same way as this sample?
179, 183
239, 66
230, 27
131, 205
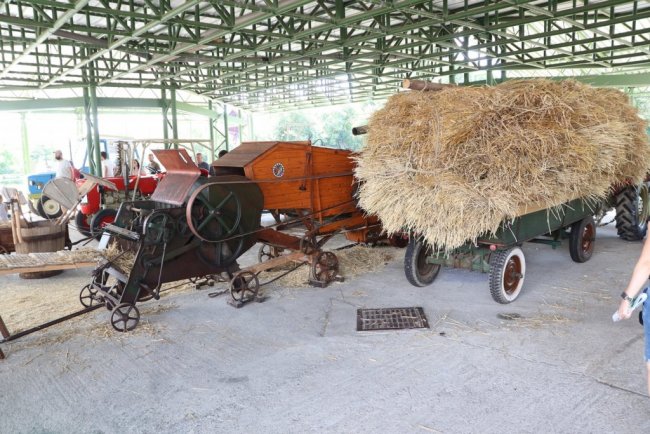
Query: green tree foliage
337, 130
295, 126
41, 155
7, 163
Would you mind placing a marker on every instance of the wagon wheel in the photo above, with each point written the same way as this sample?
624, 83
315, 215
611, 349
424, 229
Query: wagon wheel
244, 286
88, 296
212, 222
507, 272
125, 317
581, 239
268, 252
325, 267
418, 271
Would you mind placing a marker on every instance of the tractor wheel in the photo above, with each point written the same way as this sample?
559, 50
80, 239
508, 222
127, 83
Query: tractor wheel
507, 272
581, 239
48, 208
418, 271
82, 224
632, 212
101, 219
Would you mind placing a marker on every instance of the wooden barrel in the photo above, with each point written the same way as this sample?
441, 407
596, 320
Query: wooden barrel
41, 236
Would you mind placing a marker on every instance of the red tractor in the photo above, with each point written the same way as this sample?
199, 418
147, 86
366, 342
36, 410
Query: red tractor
99, 207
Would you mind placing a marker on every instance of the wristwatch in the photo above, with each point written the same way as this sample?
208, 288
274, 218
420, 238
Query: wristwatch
626, 297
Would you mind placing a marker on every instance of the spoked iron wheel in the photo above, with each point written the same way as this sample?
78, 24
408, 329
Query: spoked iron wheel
125, 317
507, 272
160, 227
244, 287
88, 296
268, 252
325, 267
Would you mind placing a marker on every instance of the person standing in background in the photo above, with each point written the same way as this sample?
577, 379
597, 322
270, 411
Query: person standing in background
200, 163
108, 167
153, 166
136, 169
62, 167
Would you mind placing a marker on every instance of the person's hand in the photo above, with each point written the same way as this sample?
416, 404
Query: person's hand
624, 311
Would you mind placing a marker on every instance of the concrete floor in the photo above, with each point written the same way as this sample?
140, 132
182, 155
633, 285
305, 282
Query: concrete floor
295, 363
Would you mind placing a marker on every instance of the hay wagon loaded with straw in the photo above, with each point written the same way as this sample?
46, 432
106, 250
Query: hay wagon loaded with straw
474, 172
500, 254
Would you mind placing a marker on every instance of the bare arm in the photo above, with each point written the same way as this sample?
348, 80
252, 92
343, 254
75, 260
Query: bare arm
638, 279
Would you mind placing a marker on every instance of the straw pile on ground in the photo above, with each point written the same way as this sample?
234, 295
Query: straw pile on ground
451, 165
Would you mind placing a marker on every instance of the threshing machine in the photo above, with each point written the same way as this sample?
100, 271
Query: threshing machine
193, 226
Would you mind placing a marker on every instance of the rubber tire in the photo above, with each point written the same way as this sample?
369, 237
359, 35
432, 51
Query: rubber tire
41, 209
628, 225
498, 262
81, 222
95, 230
417, 273
576, 238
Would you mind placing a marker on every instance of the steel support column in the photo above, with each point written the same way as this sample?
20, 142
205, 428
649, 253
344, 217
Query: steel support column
25, 141
170, 116
174, 117
226, 133
218, 132
92, 129
210, 129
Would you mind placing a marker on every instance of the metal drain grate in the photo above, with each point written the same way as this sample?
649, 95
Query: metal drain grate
391, 318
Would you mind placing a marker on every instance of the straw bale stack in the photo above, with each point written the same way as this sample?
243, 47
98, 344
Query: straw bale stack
451, 165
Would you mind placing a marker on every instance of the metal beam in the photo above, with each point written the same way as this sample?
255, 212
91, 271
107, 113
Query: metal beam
120, 42
43, 36
25, 143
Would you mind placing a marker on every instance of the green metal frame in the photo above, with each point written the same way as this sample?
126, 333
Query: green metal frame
282, 54
546, 226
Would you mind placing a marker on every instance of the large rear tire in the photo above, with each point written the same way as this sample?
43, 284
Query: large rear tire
418, 271
101, 219
82, 224
632, 212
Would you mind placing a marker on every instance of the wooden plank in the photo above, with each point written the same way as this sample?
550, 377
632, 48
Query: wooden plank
47, 268
32, 262
278, 262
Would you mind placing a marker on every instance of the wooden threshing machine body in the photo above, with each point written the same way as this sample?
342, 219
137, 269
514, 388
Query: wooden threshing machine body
295, 175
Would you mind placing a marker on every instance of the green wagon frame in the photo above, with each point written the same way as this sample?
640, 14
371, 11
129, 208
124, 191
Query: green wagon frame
500, 254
